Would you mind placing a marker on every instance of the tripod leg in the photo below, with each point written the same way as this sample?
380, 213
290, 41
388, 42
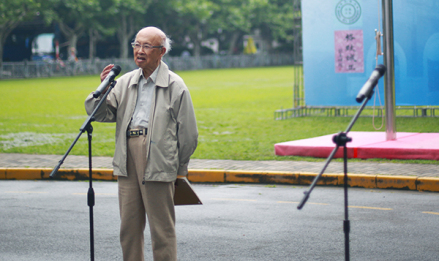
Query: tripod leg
346, 223
91, 193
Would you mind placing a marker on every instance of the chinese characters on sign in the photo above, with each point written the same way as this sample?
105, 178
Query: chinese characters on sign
349, 51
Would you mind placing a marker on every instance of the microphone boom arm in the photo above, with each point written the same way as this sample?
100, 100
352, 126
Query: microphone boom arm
331, 156
85, 126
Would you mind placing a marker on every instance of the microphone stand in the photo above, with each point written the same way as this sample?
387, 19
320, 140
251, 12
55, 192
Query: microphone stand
86, 126
340, 140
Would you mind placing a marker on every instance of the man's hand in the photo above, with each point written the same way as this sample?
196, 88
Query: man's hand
105, 73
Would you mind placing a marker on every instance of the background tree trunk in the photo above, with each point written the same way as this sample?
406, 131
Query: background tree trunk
125, 32
93, 36
72, 35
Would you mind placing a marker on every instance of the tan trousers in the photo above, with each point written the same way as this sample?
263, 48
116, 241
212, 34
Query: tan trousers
155, 199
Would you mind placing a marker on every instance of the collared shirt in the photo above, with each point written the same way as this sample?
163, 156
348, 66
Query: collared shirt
145, 91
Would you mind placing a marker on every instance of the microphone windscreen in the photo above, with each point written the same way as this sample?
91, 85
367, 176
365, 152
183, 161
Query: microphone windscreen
116, 69
381, 69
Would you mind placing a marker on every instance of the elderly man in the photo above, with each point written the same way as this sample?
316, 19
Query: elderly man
156, 133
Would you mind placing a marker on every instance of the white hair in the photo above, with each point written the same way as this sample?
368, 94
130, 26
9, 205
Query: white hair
167, 44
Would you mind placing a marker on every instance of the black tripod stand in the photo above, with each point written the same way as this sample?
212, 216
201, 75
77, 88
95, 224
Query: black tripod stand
86, 126
340, 140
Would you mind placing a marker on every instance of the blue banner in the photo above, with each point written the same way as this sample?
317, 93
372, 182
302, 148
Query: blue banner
340, 50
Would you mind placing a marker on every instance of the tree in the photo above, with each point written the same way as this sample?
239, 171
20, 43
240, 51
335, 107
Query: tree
184, 20
196, 15
272, 18
129, 14
162, 15
226, 20
275, 20
72, 16
232, 21
98, 26
12, 12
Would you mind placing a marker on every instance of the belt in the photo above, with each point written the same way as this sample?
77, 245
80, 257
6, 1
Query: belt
136, 132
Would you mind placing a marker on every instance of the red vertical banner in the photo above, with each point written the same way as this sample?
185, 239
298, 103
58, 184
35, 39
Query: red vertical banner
349, 51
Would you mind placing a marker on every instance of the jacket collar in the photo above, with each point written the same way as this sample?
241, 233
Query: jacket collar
162, 79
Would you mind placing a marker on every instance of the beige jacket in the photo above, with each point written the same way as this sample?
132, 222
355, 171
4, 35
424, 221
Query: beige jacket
172, 132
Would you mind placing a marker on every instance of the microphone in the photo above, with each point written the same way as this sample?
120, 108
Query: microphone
110, 78
366, 91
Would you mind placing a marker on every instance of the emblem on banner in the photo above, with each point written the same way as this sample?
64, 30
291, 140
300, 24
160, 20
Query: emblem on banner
348, 11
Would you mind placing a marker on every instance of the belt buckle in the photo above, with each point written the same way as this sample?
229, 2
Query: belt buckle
135, 133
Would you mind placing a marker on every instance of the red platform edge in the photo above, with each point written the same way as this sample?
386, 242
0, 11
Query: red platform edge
366, 145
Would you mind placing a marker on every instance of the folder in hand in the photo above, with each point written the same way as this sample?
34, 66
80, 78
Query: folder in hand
184, 194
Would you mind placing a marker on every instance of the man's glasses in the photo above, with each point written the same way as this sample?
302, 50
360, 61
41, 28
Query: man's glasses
136, 46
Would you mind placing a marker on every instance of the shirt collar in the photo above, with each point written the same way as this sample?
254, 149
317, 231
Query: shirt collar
153, 75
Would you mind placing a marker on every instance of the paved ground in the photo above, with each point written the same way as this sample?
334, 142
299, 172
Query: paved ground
72, 161
49, 221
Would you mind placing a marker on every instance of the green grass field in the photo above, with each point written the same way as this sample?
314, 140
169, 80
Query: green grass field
234, 109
